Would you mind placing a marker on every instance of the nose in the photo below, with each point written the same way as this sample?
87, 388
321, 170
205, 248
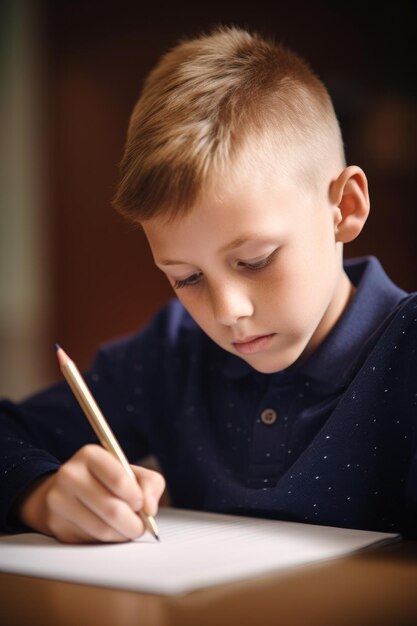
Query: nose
230, 302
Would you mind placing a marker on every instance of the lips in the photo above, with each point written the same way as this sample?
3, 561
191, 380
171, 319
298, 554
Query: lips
251, 345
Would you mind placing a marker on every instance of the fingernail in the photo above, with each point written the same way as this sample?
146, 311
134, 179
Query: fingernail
137, 505
151, 505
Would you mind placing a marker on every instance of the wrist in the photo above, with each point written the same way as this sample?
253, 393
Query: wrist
31, 509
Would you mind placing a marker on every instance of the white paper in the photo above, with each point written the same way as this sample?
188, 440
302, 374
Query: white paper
196, 550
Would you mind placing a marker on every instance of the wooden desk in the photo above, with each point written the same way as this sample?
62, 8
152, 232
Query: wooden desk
376, 587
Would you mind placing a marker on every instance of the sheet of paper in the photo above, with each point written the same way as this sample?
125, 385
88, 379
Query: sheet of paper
196, 550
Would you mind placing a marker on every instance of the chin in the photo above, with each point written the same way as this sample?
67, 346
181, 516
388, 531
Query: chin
272, 365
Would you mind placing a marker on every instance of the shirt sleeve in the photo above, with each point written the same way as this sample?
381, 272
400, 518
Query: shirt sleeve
40, 433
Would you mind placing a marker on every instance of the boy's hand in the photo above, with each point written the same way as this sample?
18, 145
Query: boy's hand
91, 498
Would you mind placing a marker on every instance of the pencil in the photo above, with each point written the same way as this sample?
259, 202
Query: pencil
98, 422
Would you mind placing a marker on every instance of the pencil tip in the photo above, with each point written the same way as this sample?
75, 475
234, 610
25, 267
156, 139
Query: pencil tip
57, 347
157, 537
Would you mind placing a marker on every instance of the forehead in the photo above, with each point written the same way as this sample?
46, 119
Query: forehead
243, 208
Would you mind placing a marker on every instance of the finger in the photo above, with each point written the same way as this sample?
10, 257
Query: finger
66, 532
75, 481
112, 511
110, 473
71, 517
152, 484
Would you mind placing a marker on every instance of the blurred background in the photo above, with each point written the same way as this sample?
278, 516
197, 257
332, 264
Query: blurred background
71, 270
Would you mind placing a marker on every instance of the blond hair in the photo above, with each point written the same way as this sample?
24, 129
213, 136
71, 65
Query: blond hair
203, 103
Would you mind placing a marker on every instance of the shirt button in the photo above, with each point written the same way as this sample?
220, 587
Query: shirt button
269, 417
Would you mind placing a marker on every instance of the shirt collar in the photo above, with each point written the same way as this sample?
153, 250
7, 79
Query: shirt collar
376, 296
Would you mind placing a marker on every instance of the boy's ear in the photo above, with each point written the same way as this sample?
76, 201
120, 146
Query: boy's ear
349, 193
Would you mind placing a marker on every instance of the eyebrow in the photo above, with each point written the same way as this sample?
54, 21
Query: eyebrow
236, 243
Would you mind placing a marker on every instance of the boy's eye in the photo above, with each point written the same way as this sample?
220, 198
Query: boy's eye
258, 265
187, 282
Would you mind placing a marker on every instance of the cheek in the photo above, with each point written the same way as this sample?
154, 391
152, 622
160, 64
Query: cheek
300, 289
194, 302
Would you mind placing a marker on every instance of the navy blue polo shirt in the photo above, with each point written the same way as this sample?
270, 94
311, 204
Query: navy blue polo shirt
299, 400
330, 441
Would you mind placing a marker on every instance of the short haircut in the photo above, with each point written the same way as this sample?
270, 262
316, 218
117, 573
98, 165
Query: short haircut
204, 102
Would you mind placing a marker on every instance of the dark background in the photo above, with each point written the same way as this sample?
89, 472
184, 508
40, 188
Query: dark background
96, 55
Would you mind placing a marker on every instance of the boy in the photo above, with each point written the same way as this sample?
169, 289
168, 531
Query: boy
280, 383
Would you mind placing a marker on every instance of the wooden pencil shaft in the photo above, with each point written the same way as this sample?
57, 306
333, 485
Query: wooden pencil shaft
99, 424
94, 415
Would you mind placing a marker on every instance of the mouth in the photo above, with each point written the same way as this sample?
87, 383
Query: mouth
251, 345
